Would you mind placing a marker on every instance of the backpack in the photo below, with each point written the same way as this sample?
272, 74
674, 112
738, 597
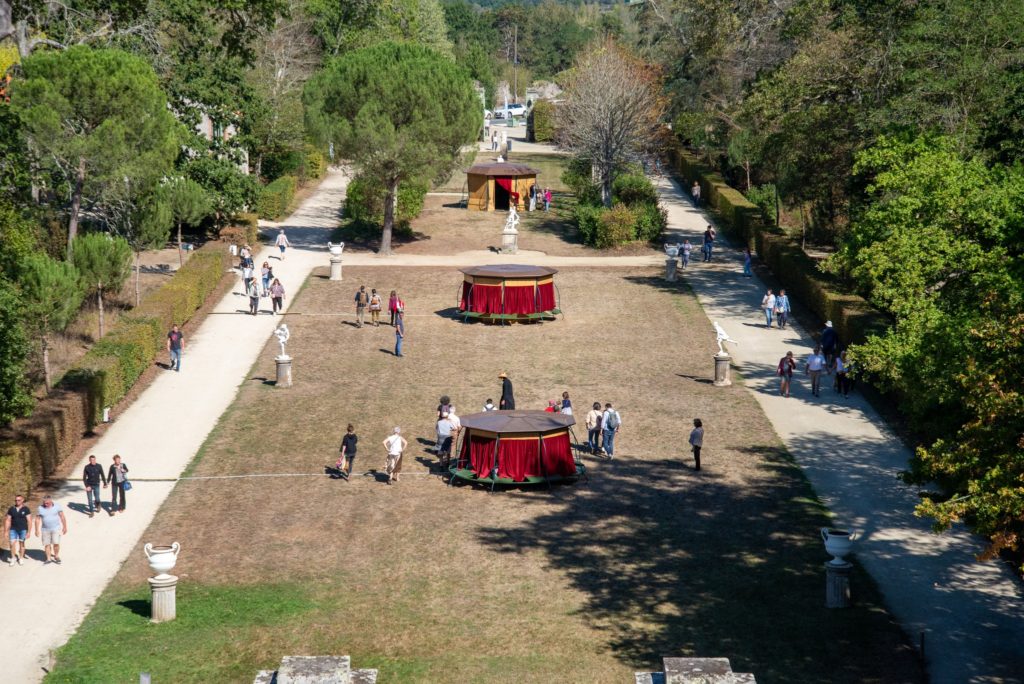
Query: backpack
613, 420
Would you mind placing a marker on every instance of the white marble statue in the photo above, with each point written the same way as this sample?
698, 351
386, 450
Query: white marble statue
722, 336
512, 222
282, 335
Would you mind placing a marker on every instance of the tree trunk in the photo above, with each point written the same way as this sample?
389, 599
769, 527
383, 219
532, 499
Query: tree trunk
46, 364
746, 167
606, 191
76, 204
99, 302
389, 219
778, 207
180, 260
138, 259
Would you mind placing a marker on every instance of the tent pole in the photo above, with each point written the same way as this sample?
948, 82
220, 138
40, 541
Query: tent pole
494, 469
540, 451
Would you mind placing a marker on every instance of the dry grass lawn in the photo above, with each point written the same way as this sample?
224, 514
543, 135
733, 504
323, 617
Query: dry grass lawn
583, 583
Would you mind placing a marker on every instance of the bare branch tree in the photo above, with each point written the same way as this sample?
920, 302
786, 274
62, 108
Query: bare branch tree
612, 111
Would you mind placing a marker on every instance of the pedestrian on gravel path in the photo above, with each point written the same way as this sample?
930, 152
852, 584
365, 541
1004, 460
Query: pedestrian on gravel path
254, 297
747, 262
785, 371
611, 423
17, 528
50, 525
248, 275
282, 243
276, 296
265, 275
829, 342
768, 305
594, 419
697, 441
708, 245
782, 309
813, 366
117, 476
399, 333
362, 300
695, 194
92, 477
395, 446
685, 251
175, 348
842, 382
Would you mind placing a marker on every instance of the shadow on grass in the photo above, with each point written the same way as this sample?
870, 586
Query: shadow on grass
140, 607
676, 562
365, 235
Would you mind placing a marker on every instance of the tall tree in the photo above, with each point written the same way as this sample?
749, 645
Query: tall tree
94, 118
104, 263
189, 204
52, 291
144, 220
15, 399
398, 111
355, 24
612, 111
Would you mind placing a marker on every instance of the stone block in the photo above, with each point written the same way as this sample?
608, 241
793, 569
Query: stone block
315, 670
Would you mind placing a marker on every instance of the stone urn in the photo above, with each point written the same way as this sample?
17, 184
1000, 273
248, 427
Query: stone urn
837, 543
335, 249
162, 558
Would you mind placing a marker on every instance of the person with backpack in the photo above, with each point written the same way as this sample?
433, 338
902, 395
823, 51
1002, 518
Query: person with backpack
785, 371
782, 309
376, 304
362, 300
829, 341
611, 423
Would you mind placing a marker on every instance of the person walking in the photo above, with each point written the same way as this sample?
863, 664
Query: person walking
393, 307
399, 333
829, 341
611, 423
697, 441
282, 243
348, 451
245, 257
175, 347
254, 297
247, 276
443, 445
507, 401
50, 525
117, 476
768, 304
813, 366
547, 198
782, 309
695, 194
566, 404
842, 383
276, 296
533, 197
594, 420
376, 304
265, 275
395, 446
92, 477
17, 528
785, 371
685, 251
747, 262
708, 245
361, 299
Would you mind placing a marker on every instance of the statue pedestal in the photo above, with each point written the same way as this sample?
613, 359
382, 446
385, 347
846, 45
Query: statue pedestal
837, 585
336, 268
284, 371
509, 241
164, 589
671, 265
722, 374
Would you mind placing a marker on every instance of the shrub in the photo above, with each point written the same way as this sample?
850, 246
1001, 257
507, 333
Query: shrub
314, 165
577, 176
651, 221
763, 197
633, 189
587, 217
276, 197
616, 226
364, 201
541, 122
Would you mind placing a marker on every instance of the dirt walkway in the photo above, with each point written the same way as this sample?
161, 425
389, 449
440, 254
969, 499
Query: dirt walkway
971, 614
157, 437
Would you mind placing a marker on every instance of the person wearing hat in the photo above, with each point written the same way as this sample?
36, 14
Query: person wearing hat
507, 401
829, 342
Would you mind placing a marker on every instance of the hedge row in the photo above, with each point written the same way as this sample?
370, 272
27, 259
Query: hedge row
540, 124
275, 198
32, 449
853, 318
244, 231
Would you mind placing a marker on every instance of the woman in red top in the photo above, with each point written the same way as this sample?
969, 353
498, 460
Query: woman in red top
394, 306
785, 371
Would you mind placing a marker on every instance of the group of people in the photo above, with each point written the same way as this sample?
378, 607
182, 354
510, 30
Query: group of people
707, 247
602, 426
263, 284
823, 360
373, 302
49, 521
395, 446
537, 195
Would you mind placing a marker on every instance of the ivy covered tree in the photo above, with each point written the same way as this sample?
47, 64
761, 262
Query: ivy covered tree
400, 112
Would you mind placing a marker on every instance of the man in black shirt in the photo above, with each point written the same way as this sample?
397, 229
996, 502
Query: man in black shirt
17, 523
92, 476
348, 451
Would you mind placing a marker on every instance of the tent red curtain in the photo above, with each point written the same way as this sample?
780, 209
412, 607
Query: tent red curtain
519, 300
486, 298
546, 296
506, 183
557, 455
467, 288
518, 458
480, 456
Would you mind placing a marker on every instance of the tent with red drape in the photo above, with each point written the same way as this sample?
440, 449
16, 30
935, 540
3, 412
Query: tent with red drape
508, 293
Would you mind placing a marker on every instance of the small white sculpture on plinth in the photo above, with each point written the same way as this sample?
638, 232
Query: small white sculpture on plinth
510, 235
336, 251
722, 358
163, 586
283, 361
722, 336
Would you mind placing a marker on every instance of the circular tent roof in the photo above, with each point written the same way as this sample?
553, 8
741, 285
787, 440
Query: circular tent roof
502, 169
509, 271
515, 422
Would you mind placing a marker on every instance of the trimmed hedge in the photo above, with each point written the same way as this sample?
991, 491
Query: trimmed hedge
33, 448
275, 198
853, 318
540, 124
244, 230
314, 165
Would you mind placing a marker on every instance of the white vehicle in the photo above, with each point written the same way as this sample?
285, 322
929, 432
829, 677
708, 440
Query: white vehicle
510, 110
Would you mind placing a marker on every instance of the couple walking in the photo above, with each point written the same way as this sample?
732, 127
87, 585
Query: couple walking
602, 426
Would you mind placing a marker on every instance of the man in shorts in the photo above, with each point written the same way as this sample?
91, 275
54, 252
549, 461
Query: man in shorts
50, 525
362, 300
17, 524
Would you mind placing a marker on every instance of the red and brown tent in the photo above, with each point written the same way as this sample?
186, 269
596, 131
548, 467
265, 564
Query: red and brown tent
509, 292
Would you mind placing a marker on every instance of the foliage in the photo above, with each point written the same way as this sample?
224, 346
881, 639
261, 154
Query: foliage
542, 121
17, 239
763, 196
634, 188
364, 201
104, 263
230, 189
276, 197
15, 399
188, 202
578, 178
587, 218
616, 226
52, 292
398, 111
347, 26
651, 221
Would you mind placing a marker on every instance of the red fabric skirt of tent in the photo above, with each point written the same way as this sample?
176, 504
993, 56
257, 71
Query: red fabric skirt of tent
519, 458
546, 296
480, 456
506, 183
520, 300
557, 455
486, 298
464, 301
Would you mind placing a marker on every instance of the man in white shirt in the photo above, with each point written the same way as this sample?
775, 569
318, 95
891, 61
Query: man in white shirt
768, 304
813, 366
395, 444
